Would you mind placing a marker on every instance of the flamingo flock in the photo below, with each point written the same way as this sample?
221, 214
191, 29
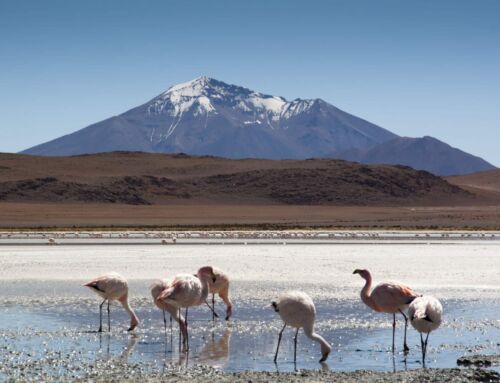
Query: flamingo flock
295, 308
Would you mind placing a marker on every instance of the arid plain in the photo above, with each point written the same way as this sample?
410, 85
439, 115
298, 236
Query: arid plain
125, 189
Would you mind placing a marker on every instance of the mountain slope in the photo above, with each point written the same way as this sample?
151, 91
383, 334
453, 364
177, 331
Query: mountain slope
209, 117
206, 116
425, 153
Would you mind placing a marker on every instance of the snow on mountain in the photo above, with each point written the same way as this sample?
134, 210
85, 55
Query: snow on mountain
202, 95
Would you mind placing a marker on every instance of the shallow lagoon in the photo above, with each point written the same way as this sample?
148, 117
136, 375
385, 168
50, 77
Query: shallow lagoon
48, 320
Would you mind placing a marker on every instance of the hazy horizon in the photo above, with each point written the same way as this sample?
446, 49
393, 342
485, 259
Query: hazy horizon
413, 68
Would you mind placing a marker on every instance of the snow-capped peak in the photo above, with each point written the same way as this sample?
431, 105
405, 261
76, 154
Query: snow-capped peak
193, 87
205, 96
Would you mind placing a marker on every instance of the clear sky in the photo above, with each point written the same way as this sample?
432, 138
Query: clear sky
422, 67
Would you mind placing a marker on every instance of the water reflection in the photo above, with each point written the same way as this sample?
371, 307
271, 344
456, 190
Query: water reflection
216, 351
246, 343
105, 341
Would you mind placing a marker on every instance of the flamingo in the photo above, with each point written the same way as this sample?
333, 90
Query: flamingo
157, 288
113, 286
297, 309
185, 291
220, 286
387, 297
425, 316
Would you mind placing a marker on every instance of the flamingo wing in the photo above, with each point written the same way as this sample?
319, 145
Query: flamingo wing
184, 291
110, 286
391, 296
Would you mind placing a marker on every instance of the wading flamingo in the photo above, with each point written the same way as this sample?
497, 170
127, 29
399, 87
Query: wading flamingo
186, 291
220, 286
387, 297
297, 310
157, 288
111, 287
425, 316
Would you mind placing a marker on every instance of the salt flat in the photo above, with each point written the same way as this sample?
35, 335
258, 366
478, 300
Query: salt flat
454, 271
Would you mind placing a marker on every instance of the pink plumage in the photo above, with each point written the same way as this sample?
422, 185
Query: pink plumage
221, 287
113, 287
387, 297
157, 288
187, 290
297, 310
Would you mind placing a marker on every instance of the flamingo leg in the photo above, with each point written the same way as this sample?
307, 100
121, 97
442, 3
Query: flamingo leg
180, 330
393, 330
171, 333
405, 346
100, 316
165, 322
213, 306
214, 314
425, 345
109, 319
295, 346
423, 350
279, 341
186, 340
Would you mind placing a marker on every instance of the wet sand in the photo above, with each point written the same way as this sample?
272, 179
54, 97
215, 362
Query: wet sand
48, 319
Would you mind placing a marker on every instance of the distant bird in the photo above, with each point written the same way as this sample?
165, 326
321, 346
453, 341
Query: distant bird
297, 310
425, 315
113, 286
220, 286
387, 297
186, 291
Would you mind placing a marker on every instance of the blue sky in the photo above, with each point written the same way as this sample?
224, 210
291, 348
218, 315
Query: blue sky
417, 68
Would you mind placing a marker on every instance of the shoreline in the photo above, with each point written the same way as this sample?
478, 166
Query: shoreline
421, 375
246, 237
198, 374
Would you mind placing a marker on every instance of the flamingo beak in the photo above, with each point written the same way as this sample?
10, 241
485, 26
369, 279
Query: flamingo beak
132, 327
356, 271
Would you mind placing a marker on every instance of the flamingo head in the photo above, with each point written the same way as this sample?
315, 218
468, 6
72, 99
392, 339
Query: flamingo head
134, 322
325, 351
206, 272
363, 273
157, 288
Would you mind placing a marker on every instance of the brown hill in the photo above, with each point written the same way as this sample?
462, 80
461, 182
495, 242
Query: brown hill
484, 184
142, 178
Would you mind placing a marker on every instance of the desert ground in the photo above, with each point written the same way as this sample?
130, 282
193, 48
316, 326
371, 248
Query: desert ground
176, 191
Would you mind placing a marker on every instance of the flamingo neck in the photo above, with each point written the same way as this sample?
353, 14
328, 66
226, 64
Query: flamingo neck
366, 291
134, 320
204, 287
325, 346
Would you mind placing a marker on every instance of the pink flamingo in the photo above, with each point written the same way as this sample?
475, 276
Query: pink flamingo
387, 297
113, 286
185, 291
425, 316
220, 286
157, 287
297, 310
